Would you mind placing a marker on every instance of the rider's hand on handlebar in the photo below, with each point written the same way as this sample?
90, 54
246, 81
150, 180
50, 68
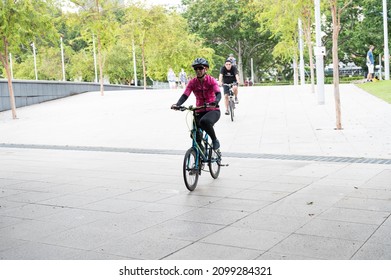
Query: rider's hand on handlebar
174, 107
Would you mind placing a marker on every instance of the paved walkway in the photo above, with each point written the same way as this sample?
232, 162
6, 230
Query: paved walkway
92, 177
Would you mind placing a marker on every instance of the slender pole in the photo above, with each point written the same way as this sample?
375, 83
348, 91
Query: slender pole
134, 63
302, 76
62, 61
252, 71
95, 66
35, 61
319, 55
12, 72
380, 66
386, 50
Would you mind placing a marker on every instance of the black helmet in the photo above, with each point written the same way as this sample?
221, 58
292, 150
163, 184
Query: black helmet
200, 61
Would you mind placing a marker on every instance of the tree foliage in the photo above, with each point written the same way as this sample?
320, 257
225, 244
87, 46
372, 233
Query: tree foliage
229, 26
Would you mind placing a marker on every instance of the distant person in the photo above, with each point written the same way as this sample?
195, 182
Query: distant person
171, 77
232, 58
229, 75
183, 78
370, 63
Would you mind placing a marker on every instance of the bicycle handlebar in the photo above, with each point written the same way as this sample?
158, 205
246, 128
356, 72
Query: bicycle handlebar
194, 108
231, 85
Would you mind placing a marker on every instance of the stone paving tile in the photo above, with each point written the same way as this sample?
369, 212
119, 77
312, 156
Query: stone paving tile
317, 247
245, 238
316, 170
212, 216
260, 195
74, 217
142, 246
388, 221
92, 255
281, 187
355, 215
372, 194
7, 243
182, 230
31, 196
338, 229
364, 204
113, 205
9, 221
84, 237
238, 204
31, 230
191, 199
292, 209
373, 251
275, 256
204, 251
382, 235
37, 251
272, 222
31, 211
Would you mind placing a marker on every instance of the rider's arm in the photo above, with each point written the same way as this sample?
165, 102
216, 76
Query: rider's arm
220, 79
218, 97
182, 100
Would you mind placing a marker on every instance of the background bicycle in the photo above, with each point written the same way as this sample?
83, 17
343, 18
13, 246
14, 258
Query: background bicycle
231, 100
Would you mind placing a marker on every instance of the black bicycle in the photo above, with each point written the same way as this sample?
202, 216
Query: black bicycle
231, 100
200, 153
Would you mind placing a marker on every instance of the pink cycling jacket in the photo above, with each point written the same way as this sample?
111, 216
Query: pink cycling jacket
204, 92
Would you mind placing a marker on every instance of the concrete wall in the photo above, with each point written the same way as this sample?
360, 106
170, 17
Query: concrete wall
33, 92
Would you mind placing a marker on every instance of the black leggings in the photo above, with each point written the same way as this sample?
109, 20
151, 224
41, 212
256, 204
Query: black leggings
206, 120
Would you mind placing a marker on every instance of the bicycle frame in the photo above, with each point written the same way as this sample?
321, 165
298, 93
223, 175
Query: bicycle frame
195, 157
203, 155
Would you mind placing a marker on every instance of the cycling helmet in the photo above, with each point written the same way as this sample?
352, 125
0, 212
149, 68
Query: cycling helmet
200, 61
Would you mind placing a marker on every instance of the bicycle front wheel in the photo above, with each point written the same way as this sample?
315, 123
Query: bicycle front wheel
231, 108
214, 166
190, 169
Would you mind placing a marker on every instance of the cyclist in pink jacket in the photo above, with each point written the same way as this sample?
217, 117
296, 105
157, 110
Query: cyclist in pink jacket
206, 90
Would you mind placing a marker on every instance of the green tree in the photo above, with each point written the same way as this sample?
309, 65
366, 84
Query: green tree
162, 40
337, 9
22, 22
229, 26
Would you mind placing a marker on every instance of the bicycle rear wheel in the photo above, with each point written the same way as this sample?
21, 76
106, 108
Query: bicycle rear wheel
231, 108
190, 169
214, 166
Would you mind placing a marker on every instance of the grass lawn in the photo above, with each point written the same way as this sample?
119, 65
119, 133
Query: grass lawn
381, 89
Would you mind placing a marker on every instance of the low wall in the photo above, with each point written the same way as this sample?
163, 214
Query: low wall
33, 92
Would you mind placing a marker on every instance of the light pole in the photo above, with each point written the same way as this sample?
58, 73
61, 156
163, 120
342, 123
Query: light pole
302, 77
35, 61
319, 52
95, 68
134, 64
386, 50
62, 61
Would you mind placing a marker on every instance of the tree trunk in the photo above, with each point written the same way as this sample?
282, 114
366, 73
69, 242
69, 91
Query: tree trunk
4, 61
240, 64
100, 64
144, 68
295, 72
307, 32
99, 52
336, 66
